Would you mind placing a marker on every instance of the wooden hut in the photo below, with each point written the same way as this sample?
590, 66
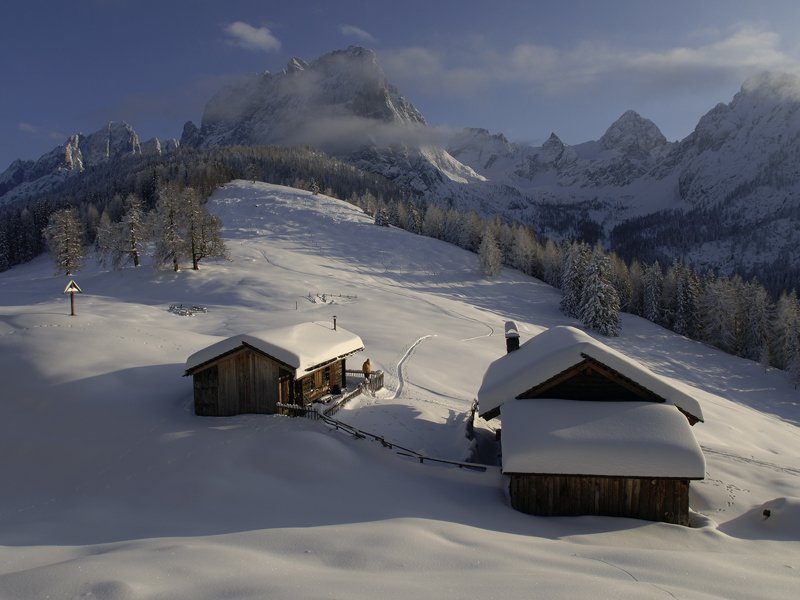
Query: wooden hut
254, 373
587, 430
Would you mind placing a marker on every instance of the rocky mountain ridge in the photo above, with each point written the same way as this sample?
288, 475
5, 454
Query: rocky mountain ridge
738, 169
115, 141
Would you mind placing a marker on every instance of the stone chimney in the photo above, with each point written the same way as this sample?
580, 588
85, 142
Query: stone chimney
512, 337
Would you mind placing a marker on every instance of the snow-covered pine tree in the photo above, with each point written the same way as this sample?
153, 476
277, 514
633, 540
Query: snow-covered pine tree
124, 241
382, 217
413, 219
489, 255
573, 277
652, 293
64, 237
682, 299
599, 304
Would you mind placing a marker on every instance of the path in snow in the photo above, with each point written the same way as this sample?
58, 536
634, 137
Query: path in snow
400, 375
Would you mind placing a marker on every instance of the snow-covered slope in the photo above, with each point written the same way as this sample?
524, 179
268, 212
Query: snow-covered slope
725, 197
112, 488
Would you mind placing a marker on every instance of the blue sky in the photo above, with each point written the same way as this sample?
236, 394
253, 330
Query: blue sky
524, 68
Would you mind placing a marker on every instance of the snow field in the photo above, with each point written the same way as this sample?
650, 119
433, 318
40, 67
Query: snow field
113, 489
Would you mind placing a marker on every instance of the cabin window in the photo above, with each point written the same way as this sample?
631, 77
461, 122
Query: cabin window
326, 377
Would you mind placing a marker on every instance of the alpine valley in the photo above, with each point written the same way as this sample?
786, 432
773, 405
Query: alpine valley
724, 198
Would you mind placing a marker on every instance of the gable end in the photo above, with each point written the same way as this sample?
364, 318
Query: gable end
591, 380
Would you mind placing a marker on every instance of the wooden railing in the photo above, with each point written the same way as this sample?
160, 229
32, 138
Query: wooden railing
375, 381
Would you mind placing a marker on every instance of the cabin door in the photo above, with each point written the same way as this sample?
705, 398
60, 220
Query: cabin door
284, 381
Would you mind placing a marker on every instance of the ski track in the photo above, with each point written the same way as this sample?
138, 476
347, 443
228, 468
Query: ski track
401, 380
751, 461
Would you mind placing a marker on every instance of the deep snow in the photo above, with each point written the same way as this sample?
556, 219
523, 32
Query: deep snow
112, 488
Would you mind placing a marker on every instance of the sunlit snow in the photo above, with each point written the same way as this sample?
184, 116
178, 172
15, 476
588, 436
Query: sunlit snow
114, 489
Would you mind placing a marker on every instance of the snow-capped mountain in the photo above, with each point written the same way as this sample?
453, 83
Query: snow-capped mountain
725, 196
115, 141
341, 103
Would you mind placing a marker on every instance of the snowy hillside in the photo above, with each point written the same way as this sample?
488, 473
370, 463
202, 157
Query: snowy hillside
113, 489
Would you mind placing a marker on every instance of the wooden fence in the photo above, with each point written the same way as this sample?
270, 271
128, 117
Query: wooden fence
375, 381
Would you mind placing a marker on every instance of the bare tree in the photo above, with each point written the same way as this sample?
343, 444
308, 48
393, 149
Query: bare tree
64, 236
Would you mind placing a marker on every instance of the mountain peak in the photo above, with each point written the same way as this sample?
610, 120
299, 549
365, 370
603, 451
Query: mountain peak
633, 134
771, 84
296, 64
332, 102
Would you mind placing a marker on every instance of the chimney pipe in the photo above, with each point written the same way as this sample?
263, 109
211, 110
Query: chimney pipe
334, 322
512, 337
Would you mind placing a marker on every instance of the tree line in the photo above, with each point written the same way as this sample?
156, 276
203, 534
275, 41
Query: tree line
735, 315
156, 203
104, 187
179, 228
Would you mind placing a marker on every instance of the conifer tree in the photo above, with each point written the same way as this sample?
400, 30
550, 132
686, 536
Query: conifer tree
599, 303
124, 241
573, 277
652, 293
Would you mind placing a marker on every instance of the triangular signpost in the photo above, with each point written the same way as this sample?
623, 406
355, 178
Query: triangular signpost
72, 289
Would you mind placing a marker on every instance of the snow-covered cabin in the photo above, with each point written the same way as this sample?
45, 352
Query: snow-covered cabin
588, 430
255, 372
565, 362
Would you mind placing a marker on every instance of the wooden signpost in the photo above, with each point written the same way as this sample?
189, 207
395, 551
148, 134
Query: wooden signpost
72, 289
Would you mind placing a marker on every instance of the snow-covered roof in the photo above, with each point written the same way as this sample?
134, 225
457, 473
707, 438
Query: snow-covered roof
557, 349
575, 437
302, 346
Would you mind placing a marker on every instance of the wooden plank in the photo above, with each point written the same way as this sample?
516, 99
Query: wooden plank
566, 495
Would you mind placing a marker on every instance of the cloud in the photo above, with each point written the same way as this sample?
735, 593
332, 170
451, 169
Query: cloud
356, 32
248, 37
719, 58
40, 132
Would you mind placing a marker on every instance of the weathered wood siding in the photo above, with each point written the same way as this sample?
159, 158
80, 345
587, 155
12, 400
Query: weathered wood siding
247, 381
242, 382
652, 499
315, 385
206, 386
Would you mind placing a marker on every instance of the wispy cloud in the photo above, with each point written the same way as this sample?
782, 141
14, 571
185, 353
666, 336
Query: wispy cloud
356, 32
243, 35
40, 132
724, 58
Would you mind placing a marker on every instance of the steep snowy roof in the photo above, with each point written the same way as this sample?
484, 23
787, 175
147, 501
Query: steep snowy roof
575, 437
559, 348
302, 346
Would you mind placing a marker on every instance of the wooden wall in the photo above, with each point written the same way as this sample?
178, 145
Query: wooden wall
246, 381
320, 382
652, 499
242, 382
